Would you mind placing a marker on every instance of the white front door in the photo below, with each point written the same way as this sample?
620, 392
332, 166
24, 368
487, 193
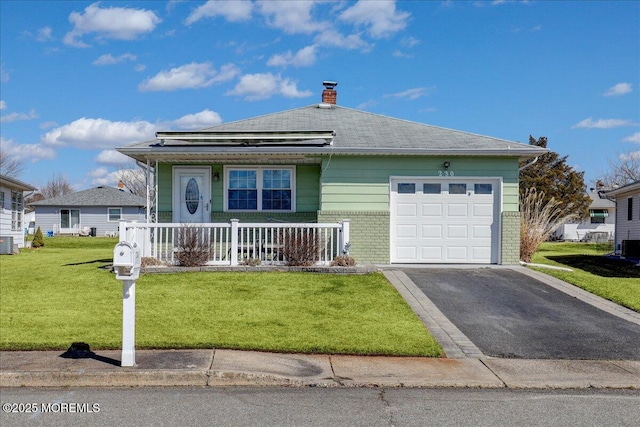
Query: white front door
191, 194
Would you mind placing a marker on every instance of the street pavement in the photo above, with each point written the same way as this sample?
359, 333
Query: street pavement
465, 365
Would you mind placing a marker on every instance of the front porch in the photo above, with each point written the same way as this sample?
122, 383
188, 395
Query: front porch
233, 243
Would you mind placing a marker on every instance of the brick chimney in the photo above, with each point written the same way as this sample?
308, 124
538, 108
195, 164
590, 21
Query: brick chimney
329, 95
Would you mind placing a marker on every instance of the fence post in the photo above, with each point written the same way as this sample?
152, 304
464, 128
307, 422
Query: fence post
234, 242
344, 237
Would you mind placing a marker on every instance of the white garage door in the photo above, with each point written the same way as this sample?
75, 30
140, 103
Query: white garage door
444, 220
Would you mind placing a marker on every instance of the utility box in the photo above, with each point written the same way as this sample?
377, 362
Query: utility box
631, 248
6, 245
126, 261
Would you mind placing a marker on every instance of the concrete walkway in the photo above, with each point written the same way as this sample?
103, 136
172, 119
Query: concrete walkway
465, 365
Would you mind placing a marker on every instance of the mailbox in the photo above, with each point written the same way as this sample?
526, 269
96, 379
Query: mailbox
126, 261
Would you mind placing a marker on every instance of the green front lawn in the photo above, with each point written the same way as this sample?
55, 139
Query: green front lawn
615, 280
62, 293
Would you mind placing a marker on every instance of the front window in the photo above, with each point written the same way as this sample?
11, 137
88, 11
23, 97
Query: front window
115, 214
16, 210
630, 209
260, 189
598, 216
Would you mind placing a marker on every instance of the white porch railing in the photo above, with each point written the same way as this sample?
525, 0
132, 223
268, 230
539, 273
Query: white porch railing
234, 243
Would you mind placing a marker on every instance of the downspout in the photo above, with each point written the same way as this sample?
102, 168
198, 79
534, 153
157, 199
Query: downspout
528, 164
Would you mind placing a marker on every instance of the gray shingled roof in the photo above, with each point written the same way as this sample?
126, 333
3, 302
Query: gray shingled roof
15, 183
599, 203
99, 196
356, 132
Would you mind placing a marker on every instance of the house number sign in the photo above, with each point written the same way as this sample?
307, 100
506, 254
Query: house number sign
445, 173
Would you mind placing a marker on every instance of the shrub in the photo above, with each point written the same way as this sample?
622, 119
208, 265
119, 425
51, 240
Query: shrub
38, 239
343, 261
193, 246
538, 219
301, 248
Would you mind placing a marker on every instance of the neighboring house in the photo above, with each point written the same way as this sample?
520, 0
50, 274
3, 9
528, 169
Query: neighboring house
413, 193
627, 236
12, 222
99, 208
600, 225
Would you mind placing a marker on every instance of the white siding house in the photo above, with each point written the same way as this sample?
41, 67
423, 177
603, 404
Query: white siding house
601, 222
99, 208
12, 222
627, 236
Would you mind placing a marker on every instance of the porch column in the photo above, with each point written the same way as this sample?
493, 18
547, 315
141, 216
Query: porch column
234, 242
344, 237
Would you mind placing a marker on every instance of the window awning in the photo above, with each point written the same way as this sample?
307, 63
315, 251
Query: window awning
230, 138
598, 213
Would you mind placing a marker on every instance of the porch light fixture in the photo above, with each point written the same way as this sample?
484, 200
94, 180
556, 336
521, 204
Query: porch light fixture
216, 176
446, 165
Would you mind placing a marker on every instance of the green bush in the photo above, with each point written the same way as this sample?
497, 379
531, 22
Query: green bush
38, 240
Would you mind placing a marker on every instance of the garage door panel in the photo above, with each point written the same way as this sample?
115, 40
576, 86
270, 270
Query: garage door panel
407, 231
407, 210
457, 209
481, 253
406, 253
432, 231
432, 209
483, 210
481, 232
458, 231
457, 253
431, 253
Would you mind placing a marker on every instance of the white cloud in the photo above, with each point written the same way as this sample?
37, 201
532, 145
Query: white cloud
332, 37
619, 89
293, 17
254, 87
19, 116
45, 34
112, 158
98, 172
189, 76
411, 94
140, 67
26, 152
232, 11
602, 123
47, 125
633, 138
4, 75
205, 118
381, 17
3, 105
108, 59
117, 23
305, 57
99, 134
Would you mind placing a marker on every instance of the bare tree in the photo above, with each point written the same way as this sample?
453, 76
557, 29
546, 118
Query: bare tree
134, 180
10, 165
623, 170
58, 185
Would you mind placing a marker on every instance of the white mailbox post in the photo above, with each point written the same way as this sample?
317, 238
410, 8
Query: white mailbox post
126, 263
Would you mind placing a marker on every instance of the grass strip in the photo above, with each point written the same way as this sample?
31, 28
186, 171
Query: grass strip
63, 293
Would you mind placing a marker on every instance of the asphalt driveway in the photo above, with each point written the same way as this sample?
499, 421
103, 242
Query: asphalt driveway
508, 314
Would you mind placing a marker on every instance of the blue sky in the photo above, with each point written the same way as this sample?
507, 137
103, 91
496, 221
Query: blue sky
80, 78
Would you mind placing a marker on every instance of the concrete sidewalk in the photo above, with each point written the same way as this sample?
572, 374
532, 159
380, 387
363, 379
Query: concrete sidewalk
245, 368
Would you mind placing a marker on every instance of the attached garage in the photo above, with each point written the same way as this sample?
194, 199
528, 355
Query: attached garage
445, 220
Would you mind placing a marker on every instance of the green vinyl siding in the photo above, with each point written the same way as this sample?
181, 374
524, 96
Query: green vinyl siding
307, 190
362, 184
